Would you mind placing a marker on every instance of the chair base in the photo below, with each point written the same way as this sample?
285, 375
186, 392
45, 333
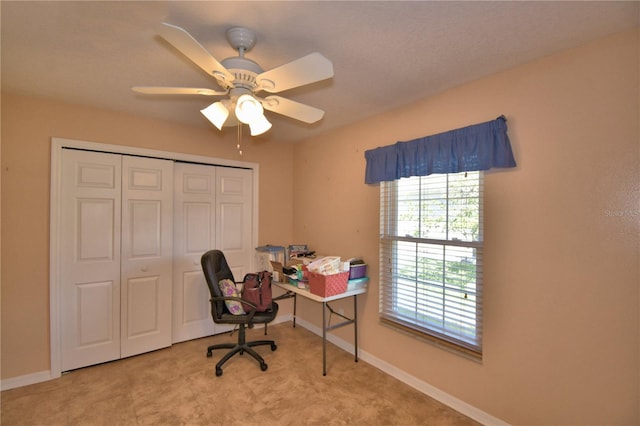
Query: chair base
241, 347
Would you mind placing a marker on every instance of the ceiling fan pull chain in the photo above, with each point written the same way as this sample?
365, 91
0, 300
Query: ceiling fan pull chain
239, 138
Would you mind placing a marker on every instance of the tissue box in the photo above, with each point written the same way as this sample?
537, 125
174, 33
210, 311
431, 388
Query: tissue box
328, 285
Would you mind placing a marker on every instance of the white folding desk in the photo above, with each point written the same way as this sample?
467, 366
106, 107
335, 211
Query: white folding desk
293, 291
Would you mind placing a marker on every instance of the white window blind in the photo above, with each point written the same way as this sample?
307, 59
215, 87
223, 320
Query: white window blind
431, 257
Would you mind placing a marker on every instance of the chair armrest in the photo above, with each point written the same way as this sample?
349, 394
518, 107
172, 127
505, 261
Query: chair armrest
251, 313
225, 298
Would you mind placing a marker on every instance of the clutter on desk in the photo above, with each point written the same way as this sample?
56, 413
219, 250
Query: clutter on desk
354, 284
282, 271
325, 265
321, 275
328, 275
328, 285
268, 253
357, 273
288, 272
299, 251
358, 270
270, 249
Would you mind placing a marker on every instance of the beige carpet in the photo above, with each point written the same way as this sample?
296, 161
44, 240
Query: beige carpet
178, 386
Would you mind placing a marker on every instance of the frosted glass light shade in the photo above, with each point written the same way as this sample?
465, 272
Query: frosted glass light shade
259, 125
216, 113
248, 109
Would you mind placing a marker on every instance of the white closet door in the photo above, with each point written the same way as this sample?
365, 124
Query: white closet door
147, 210
212, 209
90, 258
194, 234
234, 195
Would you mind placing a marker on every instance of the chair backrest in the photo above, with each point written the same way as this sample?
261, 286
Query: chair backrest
215, 268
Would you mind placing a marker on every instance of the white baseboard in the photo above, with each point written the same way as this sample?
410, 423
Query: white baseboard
424, 387
27, 379
282, 318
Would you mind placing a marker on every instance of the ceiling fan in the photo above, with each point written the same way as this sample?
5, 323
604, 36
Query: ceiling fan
241, 78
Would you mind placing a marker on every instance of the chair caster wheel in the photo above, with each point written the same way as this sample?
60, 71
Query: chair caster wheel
273, 347
218, 372
209, 354
264, 366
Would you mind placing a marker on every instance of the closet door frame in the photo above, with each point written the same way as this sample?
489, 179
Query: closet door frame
57, 145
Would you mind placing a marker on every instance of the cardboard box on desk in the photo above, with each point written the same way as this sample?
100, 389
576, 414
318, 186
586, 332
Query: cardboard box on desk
277, 267
328, 285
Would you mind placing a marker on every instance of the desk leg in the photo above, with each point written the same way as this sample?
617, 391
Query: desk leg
295, 299
324, 339
355, 324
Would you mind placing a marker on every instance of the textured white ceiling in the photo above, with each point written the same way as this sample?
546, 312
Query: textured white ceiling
385, 54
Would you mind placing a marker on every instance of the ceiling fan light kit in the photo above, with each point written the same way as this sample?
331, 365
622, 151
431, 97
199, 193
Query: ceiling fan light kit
241, 78
259, 126
216, 113
248, 109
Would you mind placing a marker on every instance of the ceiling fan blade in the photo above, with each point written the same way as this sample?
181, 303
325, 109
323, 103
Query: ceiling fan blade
154, 90
189, 46
292, 109
308, 69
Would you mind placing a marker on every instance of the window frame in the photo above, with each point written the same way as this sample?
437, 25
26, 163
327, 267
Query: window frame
390, 288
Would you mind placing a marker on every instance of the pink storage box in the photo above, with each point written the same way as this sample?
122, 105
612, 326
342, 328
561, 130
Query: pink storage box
328, 285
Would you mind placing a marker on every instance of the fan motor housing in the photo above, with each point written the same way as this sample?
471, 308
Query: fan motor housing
244, 70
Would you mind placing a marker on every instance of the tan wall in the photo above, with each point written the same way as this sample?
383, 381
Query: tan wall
561, 230
561, 339
27, 127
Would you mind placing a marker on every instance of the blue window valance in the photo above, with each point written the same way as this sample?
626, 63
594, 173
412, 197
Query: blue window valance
478, 147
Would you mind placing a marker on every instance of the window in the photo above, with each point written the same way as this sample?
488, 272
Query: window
431, 258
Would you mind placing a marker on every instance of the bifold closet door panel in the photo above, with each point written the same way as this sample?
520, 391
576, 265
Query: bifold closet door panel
90, 258
147, 255
234, 228
213, 207
194, 233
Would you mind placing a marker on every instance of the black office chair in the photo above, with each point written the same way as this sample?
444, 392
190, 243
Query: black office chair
215, 268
